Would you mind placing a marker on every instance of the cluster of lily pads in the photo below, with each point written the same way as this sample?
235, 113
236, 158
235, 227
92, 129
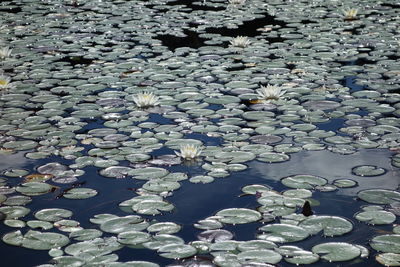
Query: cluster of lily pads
94, 84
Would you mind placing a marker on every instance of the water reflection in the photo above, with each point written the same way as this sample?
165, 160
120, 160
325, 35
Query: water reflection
334, 166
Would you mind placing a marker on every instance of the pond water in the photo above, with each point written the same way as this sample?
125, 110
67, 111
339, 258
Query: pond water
199, 133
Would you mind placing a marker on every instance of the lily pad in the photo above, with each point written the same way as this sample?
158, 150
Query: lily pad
259, 256
80, 193
330, 225
177, 251
386, 243
379, 196
44, 241
336, 251
376, 217
388, 259
52, 215
368, 170
303, 181
283, 233
296, 255
238, 216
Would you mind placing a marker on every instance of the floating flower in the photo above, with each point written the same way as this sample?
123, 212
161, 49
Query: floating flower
240, 41
270, 92
237, 2
5, 52
189, 152
145, 99
350, 13
5, 82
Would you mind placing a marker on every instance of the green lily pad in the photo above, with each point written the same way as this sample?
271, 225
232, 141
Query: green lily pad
176, 251
388, 259
80, 193
238, 216
376, 217
33, 188
379, 196
330, 225
272, 157
386, 243
368, 170
14, 212
164, 228
85, 234
296, 255
345, 183
13, 238
133, 238
148, 173
159, 241
283, 233
124, 224
52, 215
44, 241
303, 181
259, 256
150, 204
336, 251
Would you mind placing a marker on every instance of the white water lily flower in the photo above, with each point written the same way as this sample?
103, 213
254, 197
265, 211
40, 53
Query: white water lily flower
270, 92
5, 52
237, 2
350, 13
240, 41
145, 99
189, 152
5, 82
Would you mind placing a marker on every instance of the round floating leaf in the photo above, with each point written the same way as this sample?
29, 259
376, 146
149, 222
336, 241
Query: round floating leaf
133, 238
85, 234
14, 212
256, 245
368, 170
330, 225
176, 251
204, 179
255, 188
148, 173
33, 188
88, 250
296, 255
80, 193
336, 251
44, 241
39, 224
388, 259
161, 185
238, 216
344, 183
379, 196
297, 193
124, 224
208, 224
376, 217
69, 261
164, 228
215, 235
13, 238
272, 157
14, 223
303, 181
52, 215
283, 233
259, 256
386, 243
159, 241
